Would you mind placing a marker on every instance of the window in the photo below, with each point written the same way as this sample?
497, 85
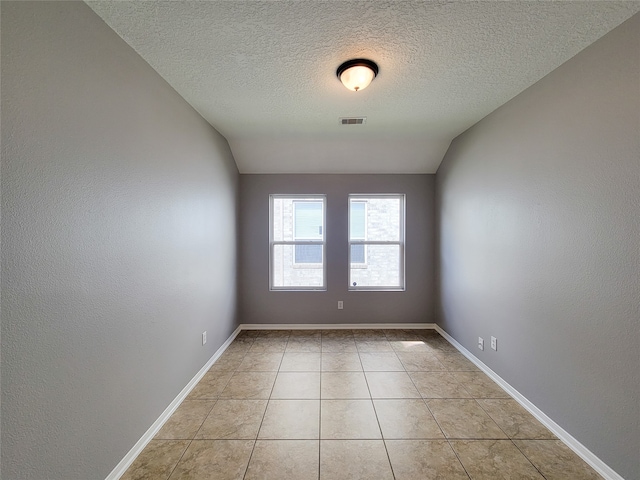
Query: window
376, 242
297, 242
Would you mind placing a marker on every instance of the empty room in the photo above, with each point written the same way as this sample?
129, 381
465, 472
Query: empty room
346, 239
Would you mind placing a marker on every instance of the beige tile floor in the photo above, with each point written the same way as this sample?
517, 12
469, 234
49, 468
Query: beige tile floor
351, 404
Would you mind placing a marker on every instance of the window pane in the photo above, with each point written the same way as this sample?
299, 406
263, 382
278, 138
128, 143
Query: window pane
308, 253
308, 220
357, 253
383, 268
383, 219
357, 220
286, 273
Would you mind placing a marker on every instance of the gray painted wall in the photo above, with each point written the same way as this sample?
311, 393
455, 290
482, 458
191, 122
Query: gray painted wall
539, 244
259, 305
118, 243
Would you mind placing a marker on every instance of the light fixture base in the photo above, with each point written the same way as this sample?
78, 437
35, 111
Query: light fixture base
357, 62
357, 74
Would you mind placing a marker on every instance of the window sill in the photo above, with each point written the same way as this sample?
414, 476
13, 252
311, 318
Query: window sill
304, 266
376, 289
298, 289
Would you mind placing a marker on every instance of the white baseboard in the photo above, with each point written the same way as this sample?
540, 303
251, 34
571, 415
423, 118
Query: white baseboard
598, 465
128, 459
336, 326
583, 452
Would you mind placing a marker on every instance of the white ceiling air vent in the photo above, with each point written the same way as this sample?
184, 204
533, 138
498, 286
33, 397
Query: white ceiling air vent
352, 120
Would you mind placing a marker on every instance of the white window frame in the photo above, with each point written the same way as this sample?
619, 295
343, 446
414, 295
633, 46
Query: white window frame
400, 242
273, 243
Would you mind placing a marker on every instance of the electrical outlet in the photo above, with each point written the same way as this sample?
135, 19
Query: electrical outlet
494, 343
340, 304
481, 343
204, 337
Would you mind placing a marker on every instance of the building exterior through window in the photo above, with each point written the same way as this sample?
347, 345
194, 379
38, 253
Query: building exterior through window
376, 242
308, 223
297, 242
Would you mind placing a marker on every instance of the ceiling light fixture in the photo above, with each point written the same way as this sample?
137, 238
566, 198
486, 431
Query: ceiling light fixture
357, 74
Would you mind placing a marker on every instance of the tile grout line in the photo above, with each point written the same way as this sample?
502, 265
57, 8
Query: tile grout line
375, 412
424, 400
457, 456
218, 397
246, 470
525, 456
207, 416
477, 401
450, 372
179, 460
446, 438
320, 386
320, 415
395, 351
321, 399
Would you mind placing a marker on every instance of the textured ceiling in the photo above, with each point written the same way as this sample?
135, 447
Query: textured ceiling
263, 72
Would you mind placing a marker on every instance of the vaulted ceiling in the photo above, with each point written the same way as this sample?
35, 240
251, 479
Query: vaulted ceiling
263, 73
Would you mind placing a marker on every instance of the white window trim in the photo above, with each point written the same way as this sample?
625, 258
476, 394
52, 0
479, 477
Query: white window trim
401, 242
273, 243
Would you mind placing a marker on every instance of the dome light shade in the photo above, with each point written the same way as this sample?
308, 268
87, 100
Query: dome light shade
357, 74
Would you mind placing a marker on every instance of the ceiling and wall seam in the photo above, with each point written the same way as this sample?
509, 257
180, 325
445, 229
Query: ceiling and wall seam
264, 73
